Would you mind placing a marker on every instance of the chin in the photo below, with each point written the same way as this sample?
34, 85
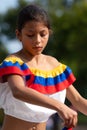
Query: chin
38, 53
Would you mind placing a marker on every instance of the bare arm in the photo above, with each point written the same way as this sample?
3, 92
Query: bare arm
77, 100
22, 92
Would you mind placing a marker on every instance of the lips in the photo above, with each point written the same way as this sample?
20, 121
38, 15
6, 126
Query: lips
37, 48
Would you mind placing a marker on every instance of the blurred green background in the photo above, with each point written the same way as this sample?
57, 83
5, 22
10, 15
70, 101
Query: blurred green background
68, 42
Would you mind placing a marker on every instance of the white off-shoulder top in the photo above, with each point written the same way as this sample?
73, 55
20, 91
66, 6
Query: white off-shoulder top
52, 83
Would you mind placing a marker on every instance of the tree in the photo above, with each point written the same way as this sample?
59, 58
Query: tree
3, 51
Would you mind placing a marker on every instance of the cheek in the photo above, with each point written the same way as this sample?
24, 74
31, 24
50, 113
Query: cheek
26, 41
45, 42
46, 38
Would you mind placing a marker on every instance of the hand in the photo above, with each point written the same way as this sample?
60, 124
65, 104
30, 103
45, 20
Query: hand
68, 116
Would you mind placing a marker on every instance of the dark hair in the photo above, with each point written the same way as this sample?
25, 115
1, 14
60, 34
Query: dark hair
32, 13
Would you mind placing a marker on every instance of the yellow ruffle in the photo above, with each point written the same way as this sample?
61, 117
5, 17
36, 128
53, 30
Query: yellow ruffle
14, 59
50, 73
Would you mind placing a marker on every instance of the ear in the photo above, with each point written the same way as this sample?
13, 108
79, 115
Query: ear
18, 34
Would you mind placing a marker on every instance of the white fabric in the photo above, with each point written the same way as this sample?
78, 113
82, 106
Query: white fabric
23, 110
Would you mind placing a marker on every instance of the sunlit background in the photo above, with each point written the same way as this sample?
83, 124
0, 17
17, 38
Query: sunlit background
11, 45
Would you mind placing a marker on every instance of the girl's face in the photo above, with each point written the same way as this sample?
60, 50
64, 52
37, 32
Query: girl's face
34, 37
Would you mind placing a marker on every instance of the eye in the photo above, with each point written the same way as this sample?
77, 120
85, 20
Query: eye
43, 34
30, 35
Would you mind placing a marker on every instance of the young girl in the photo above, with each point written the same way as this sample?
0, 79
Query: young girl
33, 85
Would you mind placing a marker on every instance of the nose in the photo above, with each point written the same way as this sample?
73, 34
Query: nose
37, 39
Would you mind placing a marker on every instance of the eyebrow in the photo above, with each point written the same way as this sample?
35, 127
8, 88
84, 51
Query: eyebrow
31, 30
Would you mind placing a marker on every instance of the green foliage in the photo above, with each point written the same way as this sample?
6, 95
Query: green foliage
1, 116
82, 119
3, 52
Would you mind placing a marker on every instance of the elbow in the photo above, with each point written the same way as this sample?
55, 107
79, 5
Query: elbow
16, 93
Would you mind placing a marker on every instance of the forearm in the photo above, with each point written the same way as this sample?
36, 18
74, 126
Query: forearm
24, 93
77, 100
81, 105
32, 96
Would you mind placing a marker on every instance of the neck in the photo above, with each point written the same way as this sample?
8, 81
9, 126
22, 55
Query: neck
28, 57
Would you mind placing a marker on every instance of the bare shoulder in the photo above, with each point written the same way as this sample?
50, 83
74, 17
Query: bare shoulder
52, 61
14, 54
